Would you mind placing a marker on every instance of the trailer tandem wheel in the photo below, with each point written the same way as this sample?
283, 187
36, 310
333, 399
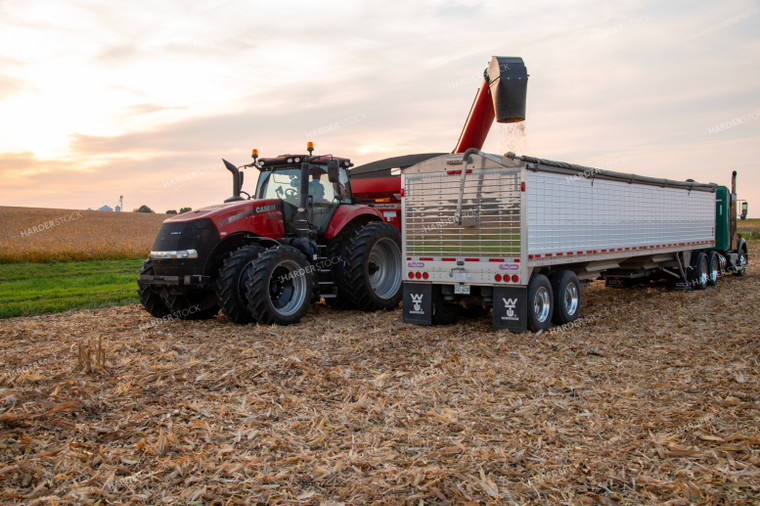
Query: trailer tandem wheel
540, 303
567, 297
700, 271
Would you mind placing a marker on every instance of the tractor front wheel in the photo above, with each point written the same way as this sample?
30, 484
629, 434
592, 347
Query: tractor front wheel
232, 280
280, 286
150, 296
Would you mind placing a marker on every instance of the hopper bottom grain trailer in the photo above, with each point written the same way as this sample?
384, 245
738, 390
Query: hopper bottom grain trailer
519, 235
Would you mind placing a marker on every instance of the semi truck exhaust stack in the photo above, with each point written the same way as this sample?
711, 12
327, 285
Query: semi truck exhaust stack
502, 97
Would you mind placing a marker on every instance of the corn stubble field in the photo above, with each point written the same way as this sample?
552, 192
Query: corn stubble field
655, 399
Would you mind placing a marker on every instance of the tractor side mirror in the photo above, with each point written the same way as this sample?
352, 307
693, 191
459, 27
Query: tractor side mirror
744, 211
333, 174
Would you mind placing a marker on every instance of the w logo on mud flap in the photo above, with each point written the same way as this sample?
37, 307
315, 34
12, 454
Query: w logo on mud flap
417, 301
509, 307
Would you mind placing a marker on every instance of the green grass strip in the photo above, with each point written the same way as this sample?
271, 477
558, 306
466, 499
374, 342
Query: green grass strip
38, 288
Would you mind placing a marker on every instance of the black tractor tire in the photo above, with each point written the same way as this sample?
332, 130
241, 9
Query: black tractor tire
338, 251
700, 271
231, 283
567, 297
280, 286
713, 263
373, 267
540, 303
150, 295
191, 303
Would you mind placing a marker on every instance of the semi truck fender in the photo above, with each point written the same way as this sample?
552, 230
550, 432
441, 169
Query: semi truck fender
741, 244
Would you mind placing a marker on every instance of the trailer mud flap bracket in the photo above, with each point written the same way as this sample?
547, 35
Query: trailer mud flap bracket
418, 303
510, 308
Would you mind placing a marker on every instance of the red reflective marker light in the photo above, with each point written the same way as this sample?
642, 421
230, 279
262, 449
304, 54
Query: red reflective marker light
522, 186
402, 192
425, 275
497, 277
417, 275
411, 275
515, 278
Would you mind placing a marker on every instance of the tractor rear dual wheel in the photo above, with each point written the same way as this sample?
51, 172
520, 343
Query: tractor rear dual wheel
337, 251
373, 267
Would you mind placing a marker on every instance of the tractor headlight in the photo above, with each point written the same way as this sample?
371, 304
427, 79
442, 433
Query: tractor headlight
174, 254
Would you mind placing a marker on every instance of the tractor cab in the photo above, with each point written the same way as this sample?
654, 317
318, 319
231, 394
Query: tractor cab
280, 178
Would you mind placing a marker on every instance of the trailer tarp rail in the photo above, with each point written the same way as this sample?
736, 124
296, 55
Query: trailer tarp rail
571, 169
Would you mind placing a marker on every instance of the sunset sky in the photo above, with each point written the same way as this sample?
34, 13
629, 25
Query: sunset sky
144, 98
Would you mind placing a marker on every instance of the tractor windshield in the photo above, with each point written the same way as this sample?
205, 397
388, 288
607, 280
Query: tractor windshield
284, 184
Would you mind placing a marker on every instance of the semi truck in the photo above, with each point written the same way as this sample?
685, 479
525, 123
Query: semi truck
519, 236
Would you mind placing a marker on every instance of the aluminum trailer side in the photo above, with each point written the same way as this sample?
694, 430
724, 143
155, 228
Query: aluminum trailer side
520, 234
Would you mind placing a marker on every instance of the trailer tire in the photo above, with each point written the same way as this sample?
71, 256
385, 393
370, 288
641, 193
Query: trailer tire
540, 303
713, 262
191, 304
700, 271
567, 297
150, 296
373, 267
231, 283
272, 299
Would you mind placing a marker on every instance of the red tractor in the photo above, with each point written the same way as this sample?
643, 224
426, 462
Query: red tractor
267, 257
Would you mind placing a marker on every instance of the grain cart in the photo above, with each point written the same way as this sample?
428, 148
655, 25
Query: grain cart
266, 257
519, 235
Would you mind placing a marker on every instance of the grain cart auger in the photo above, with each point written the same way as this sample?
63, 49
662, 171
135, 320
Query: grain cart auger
267, 257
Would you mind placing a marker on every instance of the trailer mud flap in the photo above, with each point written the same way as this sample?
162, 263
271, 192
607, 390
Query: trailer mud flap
510, 308
418, 303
